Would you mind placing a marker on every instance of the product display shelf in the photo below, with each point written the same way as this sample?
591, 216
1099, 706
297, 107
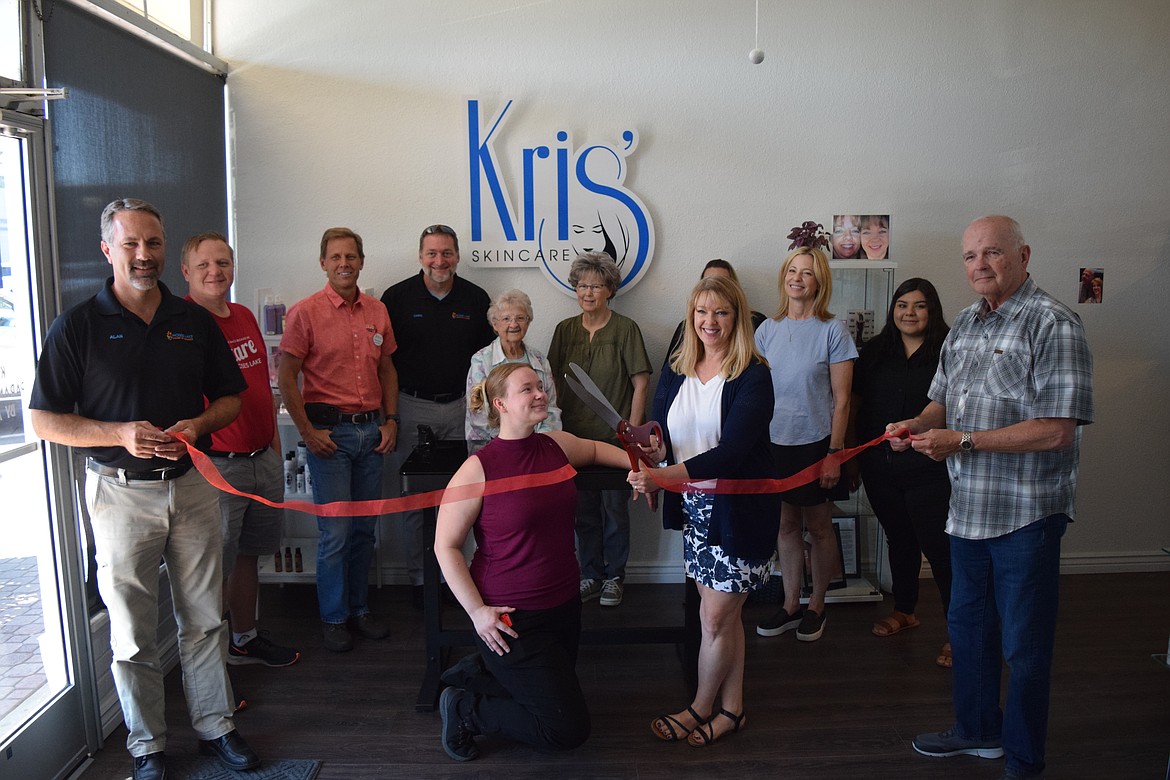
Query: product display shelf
299, 527
308, 573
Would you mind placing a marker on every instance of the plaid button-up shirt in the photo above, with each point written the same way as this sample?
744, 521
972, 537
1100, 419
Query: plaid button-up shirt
1026, 359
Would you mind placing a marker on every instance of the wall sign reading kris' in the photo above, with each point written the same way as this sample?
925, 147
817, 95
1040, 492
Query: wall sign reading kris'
572, 200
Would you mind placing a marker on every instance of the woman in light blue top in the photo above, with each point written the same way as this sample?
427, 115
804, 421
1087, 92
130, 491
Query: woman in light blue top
510, 314
811, 357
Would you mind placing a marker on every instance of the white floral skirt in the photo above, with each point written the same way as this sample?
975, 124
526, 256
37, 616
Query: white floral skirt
710, 565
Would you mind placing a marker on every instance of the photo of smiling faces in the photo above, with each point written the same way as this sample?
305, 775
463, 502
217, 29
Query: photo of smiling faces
1092, 285
875, 237
846, 238
861, 237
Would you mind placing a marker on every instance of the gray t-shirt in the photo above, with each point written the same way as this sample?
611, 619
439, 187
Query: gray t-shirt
799, 353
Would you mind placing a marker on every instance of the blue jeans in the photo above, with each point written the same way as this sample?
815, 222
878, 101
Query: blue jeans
1004, 594
346, 544
603, 533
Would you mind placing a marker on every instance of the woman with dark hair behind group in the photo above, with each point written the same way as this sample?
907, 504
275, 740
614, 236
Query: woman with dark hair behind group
909, 492
714, 401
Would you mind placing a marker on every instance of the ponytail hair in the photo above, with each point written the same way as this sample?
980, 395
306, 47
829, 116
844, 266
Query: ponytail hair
493, 386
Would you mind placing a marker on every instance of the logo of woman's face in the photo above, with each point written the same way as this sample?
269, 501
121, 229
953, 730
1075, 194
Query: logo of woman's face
589, 237
594, 231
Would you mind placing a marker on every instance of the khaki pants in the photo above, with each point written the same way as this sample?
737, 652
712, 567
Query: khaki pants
135, 524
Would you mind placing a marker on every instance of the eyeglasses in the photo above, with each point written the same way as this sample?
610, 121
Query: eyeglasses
581, 288
439, 229
518, 319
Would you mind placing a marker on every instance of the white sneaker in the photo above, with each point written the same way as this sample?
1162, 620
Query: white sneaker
611, 593
590, 589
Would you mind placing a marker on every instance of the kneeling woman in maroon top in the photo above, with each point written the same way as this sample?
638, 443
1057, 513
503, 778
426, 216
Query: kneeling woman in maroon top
521, 590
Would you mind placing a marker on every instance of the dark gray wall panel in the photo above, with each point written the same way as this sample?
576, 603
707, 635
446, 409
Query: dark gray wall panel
139, 122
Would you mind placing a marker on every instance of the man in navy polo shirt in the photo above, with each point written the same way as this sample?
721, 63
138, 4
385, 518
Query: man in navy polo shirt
123, 376
440, 321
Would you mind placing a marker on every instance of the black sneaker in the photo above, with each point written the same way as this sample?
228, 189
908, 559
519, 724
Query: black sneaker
463, 673
337, 637
258, 650
780, 622
369, 626
241, 701
458, 736
948, 743
812, 625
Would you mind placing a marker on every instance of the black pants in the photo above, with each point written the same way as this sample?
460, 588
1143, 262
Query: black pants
535, 697
912, 505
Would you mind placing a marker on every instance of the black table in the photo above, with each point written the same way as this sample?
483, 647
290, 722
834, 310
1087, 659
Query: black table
429, 470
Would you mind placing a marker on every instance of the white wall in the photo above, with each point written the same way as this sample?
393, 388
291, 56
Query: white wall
1053, 111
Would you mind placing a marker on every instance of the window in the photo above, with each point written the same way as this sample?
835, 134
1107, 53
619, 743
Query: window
10, 48
182, 17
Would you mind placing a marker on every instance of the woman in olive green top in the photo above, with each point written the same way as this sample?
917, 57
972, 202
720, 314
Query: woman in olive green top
610, 349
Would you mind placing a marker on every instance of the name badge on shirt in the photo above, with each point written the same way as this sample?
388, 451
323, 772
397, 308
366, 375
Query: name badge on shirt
378, 339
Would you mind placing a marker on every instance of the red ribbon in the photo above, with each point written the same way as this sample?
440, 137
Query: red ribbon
802, 477
386, 506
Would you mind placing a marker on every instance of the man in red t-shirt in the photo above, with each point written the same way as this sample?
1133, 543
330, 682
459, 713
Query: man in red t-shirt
246, 452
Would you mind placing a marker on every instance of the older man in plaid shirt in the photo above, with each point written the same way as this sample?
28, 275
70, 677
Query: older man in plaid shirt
1014, 385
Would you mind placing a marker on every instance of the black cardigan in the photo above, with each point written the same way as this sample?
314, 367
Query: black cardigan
744, 525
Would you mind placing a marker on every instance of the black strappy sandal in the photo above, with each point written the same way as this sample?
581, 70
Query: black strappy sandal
670, 734
701, 737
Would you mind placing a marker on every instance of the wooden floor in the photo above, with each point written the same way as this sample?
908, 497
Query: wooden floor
846, 706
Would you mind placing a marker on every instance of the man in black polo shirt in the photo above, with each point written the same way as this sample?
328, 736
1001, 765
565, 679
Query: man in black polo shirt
440, 321
121, 377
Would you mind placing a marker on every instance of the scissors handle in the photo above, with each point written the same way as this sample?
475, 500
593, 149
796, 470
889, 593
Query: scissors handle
641, 434
631, 436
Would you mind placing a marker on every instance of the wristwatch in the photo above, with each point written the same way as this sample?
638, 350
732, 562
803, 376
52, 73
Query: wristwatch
966, 444
389, 417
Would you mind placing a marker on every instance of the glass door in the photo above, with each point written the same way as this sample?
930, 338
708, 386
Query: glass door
43, 692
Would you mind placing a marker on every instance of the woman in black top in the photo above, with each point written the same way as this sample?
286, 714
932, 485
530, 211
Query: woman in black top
909, 492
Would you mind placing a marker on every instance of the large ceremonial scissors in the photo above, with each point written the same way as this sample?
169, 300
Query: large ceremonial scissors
630, 436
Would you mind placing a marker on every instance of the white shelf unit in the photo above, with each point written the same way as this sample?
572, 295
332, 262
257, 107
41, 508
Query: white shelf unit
308, 574
300, 528
867, 285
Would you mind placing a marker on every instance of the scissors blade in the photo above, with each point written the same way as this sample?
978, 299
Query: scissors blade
599, 405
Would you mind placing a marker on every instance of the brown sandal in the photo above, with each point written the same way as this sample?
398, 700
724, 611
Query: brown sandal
896, 623
944, 657
664, 727
704, 733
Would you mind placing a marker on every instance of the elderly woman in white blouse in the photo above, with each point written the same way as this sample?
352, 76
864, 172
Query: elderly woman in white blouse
510, 314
